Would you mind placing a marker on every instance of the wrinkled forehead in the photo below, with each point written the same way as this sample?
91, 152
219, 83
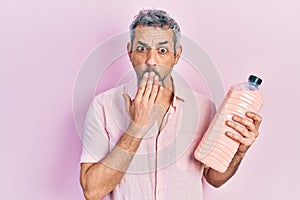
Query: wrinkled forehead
153, 35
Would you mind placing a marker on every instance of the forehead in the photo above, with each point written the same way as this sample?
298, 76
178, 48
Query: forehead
153, 34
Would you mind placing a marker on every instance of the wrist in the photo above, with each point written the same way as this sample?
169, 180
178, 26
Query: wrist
136, 131
240, 154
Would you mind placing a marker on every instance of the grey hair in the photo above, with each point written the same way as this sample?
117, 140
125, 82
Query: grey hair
156, 18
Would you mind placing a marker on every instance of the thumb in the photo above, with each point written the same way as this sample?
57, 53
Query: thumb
127, 101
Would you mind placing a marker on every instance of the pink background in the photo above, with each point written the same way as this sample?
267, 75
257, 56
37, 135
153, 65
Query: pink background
44, 43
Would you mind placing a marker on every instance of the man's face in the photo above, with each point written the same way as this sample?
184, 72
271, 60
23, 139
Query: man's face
153, 50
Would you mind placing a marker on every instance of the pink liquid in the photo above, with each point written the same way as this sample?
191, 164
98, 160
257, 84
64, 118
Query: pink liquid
216, 150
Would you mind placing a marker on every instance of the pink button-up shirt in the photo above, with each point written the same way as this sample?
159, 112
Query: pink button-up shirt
164, 166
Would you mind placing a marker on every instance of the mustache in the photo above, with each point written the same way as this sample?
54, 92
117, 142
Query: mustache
160, 78
140, 76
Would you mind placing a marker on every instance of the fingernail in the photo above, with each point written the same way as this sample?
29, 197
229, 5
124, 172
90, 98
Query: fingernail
156, 78
229, 123
250, 114
235, 117
152, 73
146, 74
229, 134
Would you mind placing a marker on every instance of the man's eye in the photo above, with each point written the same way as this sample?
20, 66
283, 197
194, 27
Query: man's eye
162, 50
141, 48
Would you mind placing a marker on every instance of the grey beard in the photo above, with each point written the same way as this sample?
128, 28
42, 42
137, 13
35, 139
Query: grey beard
160, 78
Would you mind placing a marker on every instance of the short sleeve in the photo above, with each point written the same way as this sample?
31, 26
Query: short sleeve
95, 144
213, 110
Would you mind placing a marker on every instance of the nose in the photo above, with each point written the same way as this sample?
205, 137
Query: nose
151, 60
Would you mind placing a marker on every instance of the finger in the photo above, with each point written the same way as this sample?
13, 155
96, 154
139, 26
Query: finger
127, 101
235, 136
245, 122
159, 94
154, 91
148, 87
240, 129
141, 87
245, 143
257, 119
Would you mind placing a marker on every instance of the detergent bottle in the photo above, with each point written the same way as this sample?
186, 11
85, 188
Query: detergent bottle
215, 149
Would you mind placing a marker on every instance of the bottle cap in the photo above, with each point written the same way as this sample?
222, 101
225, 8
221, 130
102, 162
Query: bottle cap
255, 79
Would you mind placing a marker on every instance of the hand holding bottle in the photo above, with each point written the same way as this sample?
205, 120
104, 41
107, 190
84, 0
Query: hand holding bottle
247, 129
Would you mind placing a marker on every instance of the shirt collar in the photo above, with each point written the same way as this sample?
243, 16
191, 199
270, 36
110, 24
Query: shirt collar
180, 87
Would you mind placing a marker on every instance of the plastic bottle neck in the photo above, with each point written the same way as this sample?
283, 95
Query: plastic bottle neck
253, 85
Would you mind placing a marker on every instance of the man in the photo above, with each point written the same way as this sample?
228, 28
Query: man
143, 148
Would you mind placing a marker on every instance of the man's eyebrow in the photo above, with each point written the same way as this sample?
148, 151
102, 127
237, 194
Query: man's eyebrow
162, 43
142, 43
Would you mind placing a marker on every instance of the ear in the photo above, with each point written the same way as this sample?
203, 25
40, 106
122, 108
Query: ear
178, 54
128, 50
